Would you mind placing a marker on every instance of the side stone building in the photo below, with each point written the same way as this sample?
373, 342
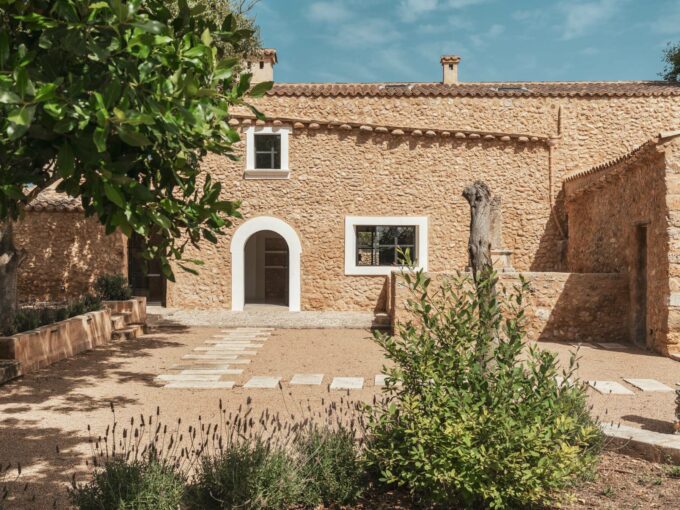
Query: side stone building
341, 175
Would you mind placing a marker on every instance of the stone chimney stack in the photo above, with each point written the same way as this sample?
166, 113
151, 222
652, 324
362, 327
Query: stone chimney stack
261, 65
450, 69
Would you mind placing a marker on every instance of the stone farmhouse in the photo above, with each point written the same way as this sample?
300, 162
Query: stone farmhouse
342, 174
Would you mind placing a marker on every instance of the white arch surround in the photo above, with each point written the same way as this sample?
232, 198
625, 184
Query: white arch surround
238, 271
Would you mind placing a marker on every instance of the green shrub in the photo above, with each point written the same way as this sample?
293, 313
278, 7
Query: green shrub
29, 318
248, 475
113, 287
330, 466
471, 417
136, 485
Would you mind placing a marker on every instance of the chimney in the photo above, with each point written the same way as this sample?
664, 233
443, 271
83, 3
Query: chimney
450, 69
261, 65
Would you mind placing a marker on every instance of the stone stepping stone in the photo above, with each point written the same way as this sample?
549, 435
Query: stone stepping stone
307, 379
214, 356
239, 351
347, 383
380, 380
210, 371
648, 385
188, 377
612, 346
206, 365
235, 342
264, 382
610, 388
201, 385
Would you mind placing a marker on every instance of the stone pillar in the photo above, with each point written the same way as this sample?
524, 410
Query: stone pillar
500, 255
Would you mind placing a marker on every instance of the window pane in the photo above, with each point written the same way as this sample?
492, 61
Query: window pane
380, 245
268, 152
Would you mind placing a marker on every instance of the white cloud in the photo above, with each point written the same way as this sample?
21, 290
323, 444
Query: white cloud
459, 4
328, 12
483, 38
410, 10
583, 16
366, 33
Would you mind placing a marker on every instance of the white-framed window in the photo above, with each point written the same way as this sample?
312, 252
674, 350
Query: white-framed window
267, 152
372, 243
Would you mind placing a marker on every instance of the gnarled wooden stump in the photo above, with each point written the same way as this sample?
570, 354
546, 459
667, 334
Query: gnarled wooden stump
478, 196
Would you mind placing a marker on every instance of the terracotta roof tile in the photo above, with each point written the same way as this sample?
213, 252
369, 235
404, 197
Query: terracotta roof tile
491, 89
53, 201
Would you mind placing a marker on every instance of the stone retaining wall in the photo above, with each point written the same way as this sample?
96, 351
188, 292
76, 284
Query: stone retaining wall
48, 344
566, 307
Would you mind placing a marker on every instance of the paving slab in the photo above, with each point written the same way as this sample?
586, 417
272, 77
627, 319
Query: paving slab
648, 384
214, 356
238, 352
265, 382
380, 380
307, 379
246, 343
613, 346
212, 365
347, 383
203, 385
610, 388
210, 371
188, 377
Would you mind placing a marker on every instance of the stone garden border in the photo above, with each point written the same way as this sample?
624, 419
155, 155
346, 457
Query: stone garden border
653, 446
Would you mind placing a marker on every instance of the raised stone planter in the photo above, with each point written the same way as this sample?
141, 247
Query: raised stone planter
43, 346
133, 309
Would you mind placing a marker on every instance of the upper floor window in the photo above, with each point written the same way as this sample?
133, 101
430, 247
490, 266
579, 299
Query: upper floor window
267, 152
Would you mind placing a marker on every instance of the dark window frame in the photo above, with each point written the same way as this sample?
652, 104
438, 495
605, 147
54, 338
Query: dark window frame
378, 244
274, 152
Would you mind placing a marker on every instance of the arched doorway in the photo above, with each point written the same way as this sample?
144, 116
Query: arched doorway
266, 269
265, 264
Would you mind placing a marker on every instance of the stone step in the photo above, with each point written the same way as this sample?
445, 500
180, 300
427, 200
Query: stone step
118, 321
9, 369
128, 333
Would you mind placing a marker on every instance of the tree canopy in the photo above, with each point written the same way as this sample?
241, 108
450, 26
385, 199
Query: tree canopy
116, 102
671, 71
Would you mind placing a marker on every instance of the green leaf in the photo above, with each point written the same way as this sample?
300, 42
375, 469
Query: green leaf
99, 138
114, 195
7, 97
66, 161
22, 116
46, 92
260, 89
133, 138
151, 27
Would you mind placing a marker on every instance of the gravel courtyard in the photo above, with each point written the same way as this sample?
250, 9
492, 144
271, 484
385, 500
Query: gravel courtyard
44, 416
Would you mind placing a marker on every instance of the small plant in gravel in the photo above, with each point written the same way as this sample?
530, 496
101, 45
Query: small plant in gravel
112, 287
472, 418
330, 465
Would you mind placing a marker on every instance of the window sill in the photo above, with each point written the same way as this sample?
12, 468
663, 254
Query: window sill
374, 270
266, 174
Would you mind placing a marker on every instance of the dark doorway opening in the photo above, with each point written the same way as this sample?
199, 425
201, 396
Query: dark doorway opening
266, 269
145, 276
640, 287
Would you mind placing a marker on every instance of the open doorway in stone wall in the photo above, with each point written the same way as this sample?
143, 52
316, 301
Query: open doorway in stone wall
145, 277
266, 271
639, 287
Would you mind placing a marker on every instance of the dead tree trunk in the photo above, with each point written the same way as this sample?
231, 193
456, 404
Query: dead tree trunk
10, 260
478, 196
482, 212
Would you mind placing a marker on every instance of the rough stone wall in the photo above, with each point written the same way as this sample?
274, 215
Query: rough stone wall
672, 160
605, 210
65, 254
334, 175
592, 129
561, 307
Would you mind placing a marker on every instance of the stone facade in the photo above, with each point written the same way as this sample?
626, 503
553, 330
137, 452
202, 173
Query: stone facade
65, 252
622, 218
562, 307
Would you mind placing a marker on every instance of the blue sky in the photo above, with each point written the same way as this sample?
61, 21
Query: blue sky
499, 40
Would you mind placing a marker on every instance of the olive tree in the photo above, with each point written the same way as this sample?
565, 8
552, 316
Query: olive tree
116, 102
671, 57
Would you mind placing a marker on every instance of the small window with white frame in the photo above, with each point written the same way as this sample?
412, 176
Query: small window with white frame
267, 152
375, 245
